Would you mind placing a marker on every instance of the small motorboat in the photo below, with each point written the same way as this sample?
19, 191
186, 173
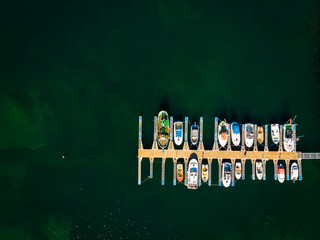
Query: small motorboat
193, 172
288, 141
238, 170
281, 173
259, 170
205, 174
249, 134
260, 135
294, 172
178, 133
180, 172
275, 133
194, 133
235, 133
223, 133
226, 174
163, 129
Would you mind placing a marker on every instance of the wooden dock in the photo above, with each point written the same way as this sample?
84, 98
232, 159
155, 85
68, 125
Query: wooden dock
242, 155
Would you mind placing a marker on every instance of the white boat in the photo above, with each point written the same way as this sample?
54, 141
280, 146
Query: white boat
223, 133
193, 172
226, 174
178, 133
249, 134
294, 172
205, 173
288, 141
194, 133
235, 133
275, 133
259, 170
281, 173
238, 170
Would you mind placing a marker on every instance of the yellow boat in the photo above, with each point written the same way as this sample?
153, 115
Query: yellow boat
260, 135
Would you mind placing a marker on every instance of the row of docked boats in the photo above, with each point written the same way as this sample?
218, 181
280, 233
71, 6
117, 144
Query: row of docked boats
164, 131
163, 136
226, 178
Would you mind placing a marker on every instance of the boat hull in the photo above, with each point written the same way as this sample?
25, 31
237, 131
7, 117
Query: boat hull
226, 174
178, 133
238, 170
275, 133
236, 138
248, 137
163, 129
222, 138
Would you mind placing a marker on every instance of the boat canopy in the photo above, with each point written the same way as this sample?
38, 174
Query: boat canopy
193, 169
235, 127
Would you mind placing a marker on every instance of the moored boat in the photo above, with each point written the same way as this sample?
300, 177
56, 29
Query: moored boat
180, 172
281, 173
238, 170
163, 129
249, 134
288, 141
223, 133
275, 133
194, 133
235, 133
260, 135
226, 174
294, 172
178, 133
193, 172
205, 172
259, 170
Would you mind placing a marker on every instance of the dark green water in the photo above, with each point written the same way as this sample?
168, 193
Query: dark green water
75, 76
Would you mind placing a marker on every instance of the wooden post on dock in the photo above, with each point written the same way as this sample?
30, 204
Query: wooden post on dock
220, 166
243, 148
174, 171
275, 168
243, 168
233, 161
266, 149
264, 162
215, 144
185, 144
255, 148
200, 146
280, 139
139, 170
151, 167
294, 137
300, 169
200, 170
229, 138
155, 133
210, 163
253, 163
163, 170
185, 171
171, 146
287, 168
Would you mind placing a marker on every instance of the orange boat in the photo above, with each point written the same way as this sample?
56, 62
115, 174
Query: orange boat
179, 172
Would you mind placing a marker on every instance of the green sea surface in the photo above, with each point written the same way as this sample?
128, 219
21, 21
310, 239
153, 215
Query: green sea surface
76, 75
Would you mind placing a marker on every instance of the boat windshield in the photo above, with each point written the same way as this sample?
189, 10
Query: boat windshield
289, 133
227, 167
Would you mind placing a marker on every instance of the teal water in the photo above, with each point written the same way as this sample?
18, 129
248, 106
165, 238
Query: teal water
75, 76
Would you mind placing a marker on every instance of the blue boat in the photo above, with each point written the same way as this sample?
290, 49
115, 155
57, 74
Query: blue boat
235, 133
